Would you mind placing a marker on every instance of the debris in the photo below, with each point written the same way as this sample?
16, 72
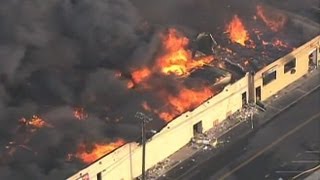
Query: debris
159, 169
206, 141
214, 143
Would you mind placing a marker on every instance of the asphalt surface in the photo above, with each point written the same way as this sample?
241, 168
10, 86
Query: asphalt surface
283, 147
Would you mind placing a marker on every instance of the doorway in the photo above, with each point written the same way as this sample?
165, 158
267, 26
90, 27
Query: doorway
197, 128
244, 98
258, 93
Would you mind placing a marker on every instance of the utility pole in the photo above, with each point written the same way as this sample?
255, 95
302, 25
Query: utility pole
144, 119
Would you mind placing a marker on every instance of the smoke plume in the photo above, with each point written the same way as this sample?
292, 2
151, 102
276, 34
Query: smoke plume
57, 55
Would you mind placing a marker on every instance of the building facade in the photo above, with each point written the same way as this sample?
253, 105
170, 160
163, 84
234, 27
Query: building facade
125, 162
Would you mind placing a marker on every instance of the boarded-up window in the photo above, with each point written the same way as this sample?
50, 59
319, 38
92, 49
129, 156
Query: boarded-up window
290, 65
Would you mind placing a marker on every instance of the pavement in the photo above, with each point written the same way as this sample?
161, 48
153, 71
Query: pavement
314, 176
234, 142
282, 149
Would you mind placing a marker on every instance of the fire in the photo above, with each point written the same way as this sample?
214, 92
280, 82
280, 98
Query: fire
140, 75
35, 122
146, 106
177, 59
130, 85
237, 31
98, 151
185, 100
80, 113
275, 21
280, 44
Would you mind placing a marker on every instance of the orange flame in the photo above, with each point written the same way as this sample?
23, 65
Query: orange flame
35, 122
237, 31
275, 21
177, 59
80, 113
140, 75
146, 106
130, 85
98, 151
185, 100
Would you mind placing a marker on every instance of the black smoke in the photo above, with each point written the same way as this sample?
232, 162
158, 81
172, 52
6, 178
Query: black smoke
59, 54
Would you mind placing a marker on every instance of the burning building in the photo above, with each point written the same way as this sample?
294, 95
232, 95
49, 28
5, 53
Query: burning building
73, 82
243, 65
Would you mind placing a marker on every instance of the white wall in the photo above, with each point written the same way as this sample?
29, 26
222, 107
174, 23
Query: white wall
125, 162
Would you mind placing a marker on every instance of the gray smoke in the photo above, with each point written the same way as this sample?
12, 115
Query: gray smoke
59, 54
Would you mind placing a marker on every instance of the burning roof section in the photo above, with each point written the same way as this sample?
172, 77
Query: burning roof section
68, 95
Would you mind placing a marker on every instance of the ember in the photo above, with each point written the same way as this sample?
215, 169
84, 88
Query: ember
80, 114
146, 106
280, 44
35, 122
130, 85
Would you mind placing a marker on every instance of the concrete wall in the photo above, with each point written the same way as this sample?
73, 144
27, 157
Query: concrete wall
283, 79
125, 162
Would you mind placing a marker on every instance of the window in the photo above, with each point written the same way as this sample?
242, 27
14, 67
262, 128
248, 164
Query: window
289, 66
313, 60
269, 77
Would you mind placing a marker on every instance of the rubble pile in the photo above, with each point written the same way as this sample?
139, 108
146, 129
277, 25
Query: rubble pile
244, 114
159, 169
